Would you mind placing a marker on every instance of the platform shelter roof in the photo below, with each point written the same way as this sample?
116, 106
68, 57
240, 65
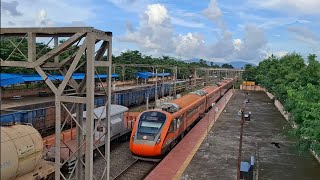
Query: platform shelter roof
8, 79
146, 75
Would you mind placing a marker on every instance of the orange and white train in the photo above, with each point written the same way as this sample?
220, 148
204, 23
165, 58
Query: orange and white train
157, 131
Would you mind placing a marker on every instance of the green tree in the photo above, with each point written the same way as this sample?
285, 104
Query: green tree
297, 85
229, 66
249, 73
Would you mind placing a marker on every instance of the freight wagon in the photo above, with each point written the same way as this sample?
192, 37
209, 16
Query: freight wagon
121, 124
42, 116
21, 154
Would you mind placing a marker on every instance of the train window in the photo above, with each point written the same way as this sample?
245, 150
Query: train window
191, 112
172, 127
175, 124
179, 121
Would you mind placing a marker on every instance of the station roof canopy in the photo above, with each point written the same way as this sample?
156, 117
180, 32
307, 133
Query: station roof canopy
10, 79
146, 75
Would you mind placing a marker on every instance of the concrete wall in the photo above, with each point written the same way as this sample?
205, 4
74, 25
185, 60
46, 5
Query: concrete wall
252, 88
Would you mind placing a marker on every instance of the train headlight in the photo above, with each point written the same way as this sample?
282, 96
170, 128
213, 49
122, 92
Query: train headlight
159, 140
132, 138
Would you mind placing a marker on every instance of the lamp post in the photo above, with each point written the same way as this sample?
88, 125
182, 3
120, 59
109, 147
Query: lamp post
212, 105
147, 100
156, 89
240, 144
215, 111
137, 81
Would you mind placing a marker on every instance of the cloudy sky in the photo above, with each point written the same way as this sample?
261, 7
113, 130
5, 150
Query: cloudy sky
218, 30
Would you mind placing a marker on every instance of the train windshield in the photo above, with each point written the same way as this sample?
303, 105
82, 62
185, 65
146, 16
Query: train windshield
150, 123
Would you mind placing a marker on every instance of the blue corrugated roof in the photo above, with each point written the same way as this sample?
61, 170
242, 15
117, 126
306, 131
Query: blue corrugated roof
146, 75
10, 79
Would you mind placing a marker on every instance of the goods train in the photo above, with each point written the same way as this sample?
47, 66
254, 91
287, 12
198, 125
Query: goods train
42, 116
121, 125
157, 131
21, 154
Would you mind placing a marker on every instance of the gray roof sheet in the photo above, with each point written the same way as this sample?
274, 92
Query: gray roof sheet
101, 111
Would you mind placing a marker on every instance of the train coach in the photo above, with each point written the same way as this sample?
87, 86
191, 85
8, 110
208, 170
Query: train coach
157, 131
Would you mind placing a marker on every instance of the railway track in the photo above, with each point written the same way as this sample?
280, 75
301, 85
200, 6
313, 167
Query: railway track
136, 171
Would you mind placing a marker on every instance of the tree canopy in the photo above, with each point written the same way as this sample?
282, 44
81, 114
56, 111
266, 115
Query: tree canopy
229, 66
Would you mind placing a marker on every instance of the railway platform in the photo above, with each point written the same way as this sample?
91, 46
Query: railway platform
265, 137
174, 164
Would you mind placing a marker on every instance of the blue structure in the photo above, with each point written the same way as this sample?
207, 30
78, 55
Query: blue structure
10, 79
246, 169
146, 75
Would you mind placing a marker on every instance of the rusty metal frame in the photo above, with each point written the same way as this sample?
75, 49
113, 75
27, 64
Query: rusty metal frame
83, 40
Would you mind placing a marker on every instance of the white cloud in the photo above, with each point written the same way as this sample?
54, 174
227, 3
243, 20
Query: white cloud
157, 14
52, 12
304, 32
42, 18
183, 22
213, 11
250, 47
291, 6
277, 53
155, 36
182, 17
131, 5
270, 22
280, 53
253, 42
10, 8
189, 45
306, 36
237, 44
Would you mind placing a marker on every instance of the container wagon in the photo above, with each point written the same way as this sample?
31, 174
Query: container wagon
121, 125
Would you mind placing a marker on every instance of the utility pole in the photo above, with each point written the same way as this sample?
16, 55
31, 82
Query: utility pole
175, 81
156, 89
240, 144
241, 136
123, 72
162, 89
195, 78
147, 100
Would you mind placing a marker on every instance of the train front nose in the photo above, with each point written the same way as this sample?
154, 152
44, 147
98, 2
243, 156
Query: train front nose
145, 149
145, 139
